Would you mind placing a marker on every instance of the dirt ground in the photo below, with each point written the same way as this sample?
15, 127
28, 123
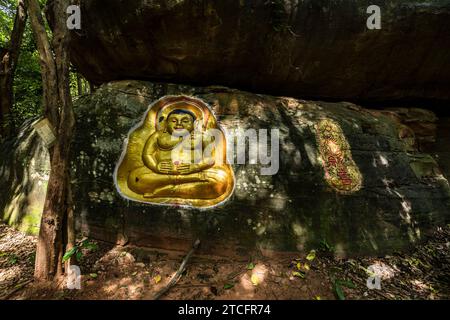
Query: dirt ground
127, 272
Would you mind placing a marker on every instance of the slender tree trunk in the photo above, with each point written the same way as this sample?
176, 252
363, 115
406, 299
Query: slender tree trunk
54, 234
8, 62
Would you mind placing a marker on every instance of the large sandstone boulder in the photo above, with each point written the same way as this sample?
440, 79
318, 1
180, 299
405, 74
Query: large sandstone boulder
306, 48
24, 173
399, 190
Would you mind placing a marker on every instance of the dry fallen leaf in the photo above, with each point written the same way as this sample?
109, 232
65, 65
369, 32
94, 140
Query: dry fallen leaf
311, 256
157, 279
255, 279
298, 274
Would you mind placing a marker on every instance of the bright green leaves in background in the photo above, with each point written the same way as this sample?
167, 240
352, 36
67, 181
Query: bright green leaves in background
27, 80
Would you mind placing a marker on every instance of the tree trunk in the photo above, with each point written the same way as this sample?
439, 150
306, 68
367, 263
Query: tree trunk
54, 61
8, 64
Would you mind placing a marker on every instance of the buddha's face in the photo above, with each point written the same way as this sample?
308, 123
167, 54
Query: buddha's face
180, 124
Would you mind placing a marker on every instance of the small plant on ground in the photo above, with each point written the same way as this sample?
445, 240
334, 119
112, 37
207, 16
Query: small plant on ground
77, 250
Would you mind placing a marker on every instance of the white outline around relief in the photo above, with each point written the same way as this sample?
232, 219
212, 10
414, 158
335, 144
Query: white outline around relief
138, 125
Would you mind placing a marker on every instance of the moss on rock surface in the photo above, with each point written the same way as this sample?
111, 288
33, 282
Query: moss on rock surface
403, 193
24, 171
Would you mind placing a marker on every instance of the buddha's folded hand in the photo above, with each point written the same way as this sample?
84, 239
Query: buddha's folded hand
188, 168
165, 167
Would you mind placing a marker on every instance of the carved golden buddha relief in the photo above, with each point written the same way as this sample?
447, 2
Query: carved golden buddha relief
176, 156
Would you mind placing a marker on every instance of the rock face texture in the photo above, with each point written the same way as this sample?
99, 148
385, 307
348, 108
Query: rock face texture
397, 189
24, 172
307, 48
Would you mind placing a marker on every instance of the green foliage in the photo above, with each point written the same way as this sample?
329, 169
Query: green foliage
325, 246
228, 286
27, 81
338, 284
7, 11
32, 258
11, 258
77, 251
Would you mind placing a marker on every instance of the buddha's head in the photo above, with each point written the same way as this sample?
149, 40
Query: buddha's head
180, 122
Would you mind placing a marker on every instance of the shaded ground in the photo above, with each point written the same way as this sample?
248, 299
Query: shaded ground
128, 272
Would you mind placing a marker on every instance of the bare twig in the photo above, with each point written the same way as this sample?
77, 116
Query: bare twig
178, 274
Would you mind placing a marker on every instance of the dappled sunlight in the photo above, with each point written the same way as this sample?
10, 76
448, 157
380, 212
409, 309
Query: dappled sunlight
369, 237
312, 154
259, 273
11, 273
405, 213
380, 160
256, 278
301, 234
278, 202
24, 168
419, 285
383, 160
246, 282
383, 270
340, 250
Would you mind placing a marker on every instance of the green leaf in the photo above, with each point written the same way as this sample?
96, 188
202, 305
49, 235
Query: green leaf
347, 283
228, 286
89, 245
32, 257
339, 292
325, 246
93, 275
251, 266
311, 256
79, 255
13, 259
69, 254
